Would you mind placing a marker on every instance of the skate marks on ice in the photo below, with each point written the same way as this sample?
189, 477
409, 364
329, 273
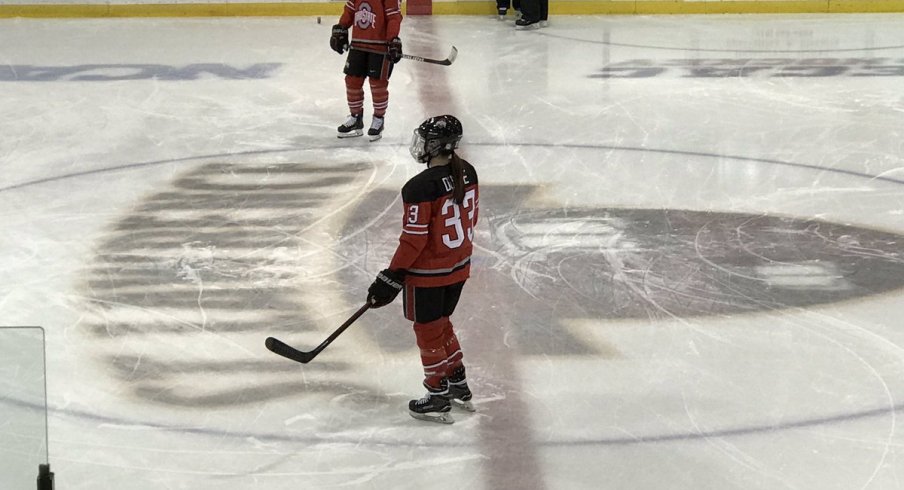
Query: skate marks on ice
198, 273
754, 68
555, 264
539, 270
224, 252
135, 71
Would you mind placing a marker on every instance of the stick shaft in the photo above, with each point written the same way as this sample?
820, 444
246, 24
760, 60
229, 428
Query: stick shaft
446, 62
281, 348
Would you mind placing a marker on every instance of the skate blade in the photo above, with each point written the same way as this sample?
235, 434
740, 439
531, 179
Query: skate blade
441, 418
464, 405
351, 134
375, 137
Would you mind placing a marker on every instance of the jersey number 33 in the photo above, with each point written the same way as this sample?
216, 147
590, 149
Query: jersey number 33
457, 219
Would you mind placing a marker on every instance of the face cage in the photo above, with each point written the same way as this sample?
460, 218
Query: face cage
421, 153
418, 148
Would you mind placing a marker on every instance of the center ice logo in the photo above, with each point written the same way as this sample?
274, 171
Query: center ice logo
228, 252
365, 17
559, 265
215, 259
754, 68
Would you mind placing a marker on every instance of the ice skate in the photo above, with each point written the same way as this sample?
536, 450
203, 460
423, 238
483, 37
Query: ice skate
459, 393
501, 13
376, 129
523, 23
434, 406
352, 127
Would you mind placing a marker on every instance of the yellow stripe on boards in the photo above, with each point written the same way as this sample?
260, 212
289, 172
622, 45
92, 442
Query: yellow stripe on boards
624, 7
732, 7
864, 6
484, 7
465, 8
175, 10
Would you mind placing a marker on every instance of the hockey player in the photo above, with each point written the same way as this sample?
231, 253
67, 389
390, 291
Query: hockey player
535, 14
503, 6
433, 261
375, 48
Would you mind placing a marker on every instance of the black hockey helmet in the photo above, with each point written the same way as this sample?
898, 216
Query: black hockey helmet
435, 136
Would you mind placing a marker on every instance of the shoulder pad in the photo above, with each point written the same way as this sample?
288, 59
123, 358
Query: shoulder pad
423, 187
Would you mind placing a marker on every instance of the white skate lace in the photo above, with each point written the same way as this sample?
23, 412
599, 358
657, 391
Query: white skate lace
377, 123
351, 121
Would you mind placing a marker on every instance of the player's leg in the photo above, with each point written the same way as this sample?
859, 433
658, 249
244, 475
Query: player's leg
531, 14
355, 71
459, 392
379, 71
502, 7
424, 307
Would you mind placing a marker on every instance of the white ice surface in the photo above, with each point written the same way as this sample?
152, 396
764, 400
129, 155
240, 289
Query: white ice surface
800, 398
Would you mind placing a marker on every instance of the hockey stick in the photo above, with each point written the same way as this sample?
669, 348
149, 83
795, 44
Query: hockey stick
446, 62
281, 348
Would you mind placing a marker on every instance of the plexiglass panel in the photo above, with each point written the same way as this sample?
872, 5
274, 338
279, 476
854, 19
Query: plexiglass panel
23, 406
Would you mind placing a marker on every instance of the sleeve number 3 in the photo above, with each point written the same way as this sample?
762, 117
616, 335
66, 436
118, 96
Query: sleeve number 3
453, 212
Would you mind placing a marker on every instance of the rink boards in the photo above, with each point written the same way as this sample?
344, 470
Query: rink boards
188, 8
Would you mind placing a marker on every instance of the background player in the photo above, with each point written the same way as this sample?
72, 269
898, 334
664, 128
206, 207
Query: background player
503, 6
433, 261
375, 48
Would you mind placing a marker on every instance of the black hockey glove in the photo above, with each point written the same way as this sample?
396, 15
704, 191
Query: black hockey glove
385, 288
395, 50
339, 38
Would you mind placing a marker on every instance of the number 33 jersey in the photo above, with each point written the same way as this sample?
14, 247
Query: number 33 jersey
436, 241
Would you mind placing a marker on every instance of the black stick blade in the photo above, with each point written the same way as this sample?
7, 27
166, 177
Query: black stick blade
452, 56
279, 347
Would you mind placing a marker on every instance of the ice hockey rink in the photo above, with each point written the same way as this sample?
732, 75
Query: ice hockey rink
688, 275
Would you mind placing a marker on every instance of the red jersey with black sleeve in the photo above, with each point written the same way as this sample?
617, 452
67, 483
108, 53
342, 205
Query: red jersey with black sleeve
436, 241
373, 23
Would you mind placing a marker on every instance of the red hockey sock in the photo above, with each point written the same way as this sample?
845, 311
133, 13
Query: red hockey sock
379, 90
433, 353
451, 346
354, 94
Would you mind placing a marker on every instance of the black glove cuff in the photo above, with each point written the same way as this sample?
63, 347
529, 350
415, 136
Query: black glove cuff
394, 279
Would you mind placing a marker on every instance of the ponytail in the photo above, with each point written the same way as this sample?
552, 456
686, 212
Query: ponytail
458, 178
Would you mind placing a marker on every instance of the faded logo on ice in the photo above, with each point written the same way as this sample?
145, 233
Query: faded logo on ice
184, 289
133, 71
549, 265
754, 68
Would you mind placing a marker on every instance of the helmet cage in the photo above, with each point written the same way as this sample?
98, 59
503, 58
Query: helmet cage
423, 149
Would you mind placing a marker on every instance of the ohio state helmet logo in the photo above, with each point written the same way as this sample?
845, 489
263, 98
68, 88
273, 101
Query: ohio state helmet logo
365, 17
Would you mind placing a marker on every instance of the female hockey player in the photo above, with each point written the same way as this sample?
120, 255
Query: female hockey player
375, 48
433, 261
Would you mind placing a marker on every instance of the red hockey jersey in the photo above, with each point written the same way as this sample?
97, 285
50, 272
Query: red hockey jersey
436, 241
373, 22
